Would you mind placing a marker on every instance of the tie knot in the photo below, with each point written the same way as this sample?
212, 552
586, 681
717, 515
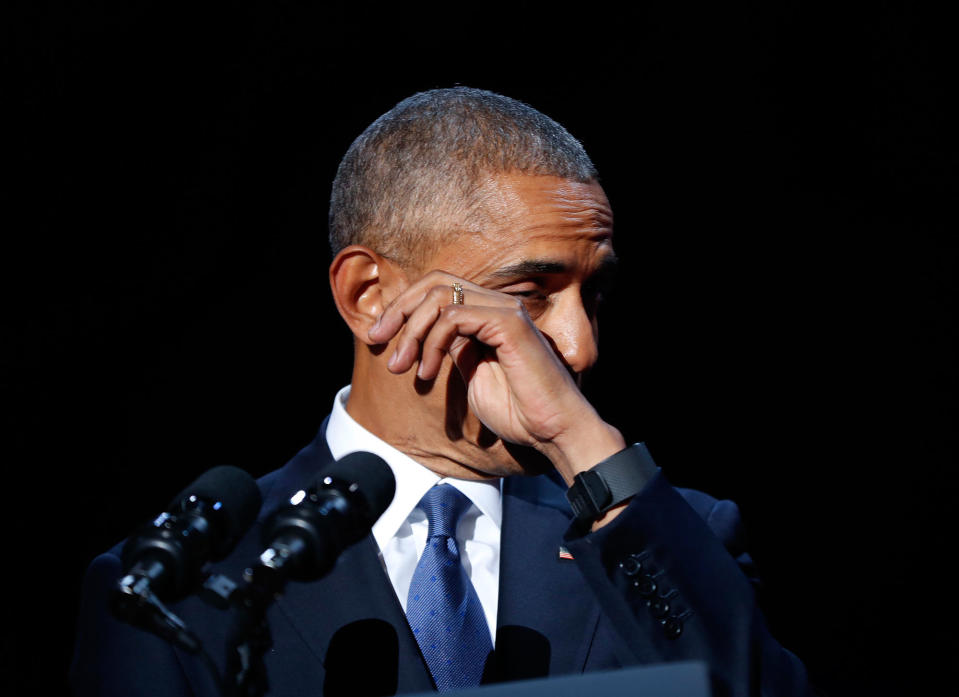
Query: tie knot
444, 505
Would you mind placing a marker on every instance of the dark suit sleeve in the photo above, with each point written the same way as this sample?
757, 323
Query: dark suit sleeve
675, 583
113, 658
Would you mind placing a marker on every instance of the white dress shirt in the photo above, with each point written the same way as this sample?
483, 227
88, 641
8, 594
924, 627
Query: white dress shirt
400, 533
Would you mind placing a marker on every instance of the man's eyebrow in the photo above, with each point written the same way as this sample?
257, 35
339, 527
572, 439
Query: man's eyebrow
543, 267
530, 267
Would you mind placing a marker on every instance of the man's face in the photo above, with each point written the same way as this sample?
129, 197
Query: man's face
551, 246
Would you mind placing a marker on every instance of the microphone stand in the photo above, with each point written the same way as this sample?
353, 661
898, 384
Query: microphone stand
247, 643
135, 603
249, 638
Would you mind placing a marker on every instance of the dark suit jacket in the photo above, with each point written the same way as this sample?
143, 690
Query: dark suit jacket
664, 582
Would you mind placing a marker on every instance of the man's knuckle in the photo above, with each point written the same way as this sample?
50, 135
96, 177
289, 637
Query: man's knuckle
439, 292
437, 278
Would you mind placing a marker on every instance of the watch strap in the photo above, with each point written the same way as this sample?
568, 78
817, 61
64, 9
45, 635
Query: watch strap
612, 481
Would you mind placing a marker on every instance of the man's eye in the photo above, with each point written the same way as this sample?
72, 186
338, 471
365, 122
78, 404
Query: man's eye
525, 289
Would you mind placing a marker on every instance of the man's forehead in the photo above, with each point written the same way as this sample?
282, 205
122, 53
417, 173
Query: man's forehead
539, 212
536, 225
531, 198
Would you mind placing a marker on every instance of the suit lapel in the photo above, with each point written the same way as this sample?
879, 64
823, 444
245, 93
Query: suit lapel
547, 615
350, 619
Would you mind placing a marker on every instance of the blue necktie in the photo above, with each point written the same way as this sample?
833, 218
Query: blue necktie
443, 609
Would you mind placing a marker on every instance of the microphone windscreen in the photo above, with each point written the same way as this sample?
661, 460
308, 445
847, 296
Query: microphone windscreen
234, 489
371, 475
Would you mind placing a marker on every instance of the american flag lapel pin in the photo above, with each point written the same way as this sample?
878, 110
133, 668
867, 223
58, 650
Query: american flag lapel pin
564, 553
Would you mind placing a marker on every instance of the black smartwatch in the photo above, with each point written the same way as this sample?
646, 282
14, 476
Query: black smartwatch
612, 481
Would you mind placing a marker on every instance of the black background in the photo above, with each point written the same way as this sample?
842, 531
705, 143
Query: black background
784, 333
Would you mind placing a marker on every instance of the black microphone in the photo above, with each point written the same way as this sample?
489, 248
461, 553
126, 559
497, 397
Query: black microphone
165, 558
304, 539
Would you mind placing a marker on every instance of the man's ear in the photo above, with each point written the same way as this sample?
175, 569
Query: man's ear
363, 284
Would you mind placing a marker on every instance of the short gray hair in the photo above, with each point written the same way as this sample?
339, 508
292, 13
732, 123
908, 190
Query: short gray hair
417, 173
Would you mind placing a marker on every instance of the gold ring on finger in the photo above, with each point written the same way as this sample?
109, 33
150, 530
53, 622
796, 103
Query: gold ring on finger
457, 293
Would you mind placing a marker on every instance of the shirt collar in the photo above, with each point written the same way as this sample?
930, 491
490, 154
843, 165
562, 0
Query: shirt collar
344, 436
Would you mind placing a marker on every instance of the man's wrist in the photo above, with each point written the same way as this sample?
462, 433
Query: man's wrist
578, 451
610, 484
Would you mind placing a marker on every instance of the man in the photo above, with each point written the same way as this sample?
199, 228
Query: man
472, 243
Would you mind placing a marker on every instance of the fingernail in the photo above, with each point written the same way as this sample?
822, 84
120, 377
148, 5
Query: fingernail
376, 325
393, 358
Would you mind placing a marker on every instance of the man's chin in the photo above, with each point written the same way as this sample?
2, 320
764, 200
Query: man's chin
503, 459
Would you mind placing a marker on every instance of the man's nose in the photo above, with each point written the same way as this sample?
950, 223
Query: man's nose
574, 334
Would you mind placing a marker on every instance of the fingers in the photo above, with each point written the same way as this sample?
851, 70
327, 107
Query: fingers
398, 311
416, 313
454, 328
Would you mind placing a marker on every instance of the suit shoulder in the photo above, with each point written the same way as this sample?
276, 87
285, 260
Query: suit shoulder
721, 515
